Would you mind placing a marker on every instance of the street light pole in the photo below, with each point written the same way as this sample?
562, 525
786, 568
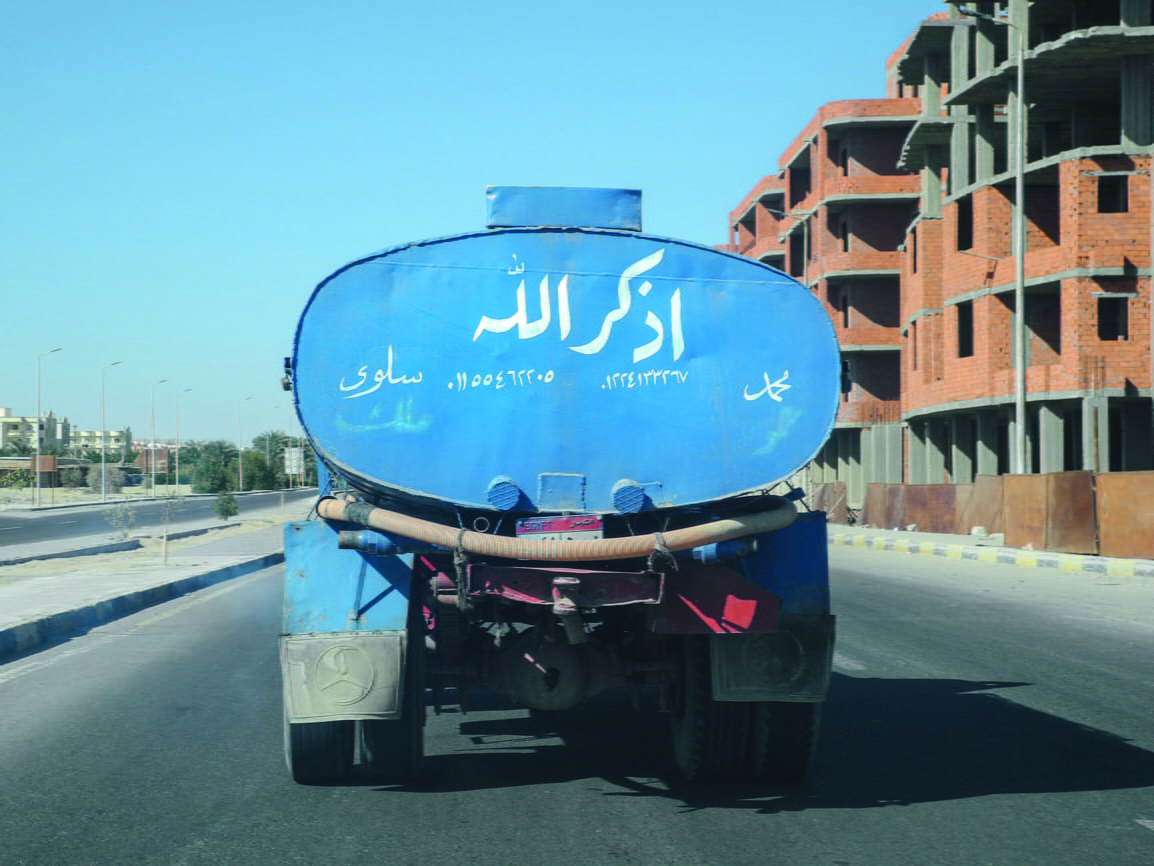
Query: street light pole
178, 393
38, 422
152, 450
239, 448
103, 438
1018, 241
268, 436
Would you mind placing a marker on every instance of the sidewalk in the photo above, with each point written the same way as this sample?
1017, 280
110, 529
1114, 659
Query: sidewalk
983, 549
48, 599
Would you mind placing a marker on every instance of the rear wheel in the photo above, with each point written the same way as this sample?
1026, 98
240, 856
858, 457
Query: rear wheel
791, 739
737, 740
319, 753
392, 750
711, 738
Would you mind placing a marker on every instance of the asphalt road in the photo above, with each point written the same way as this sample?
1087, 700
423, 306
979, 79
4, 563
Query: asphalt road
26, 527
980, 714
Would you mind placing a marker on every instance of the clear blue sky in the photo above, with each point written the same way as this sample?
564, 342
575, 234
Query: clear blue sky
178, 176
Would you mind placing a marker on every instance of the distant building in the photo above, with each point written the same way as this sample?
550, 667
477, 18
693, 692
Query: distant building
18, 430
114, 442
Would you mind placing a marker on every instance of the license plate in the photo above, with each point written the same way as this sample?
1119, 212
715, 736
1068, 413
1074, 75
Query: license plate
581, 527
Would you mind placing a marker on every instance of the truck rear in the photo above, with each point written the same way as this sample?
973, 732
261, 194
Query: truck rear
553, 454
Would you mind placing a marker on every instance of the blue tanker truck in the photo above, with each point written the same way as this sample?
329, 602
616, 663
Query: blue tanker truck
549, 455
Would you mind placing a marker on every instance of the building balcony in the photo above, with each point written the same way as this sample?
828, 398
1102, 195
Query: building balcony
875, 188
762, 247
856, 264
1079, 66
863, 413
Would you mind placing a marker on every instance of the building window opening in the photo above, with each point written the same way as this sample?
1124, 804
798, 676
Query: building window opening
1113, 319
1114, 193
1044, 325
965, 223
846, 381
966, 329
914, 344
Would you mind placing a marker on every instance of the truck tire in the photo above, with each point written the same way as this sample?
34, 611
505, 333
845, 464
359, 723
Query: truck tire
790, 741
319, 753
711, 739
729, 741
393, 750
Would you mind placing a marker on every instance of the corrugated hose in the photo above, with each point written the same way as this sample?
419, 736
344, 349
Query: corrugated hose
506, 547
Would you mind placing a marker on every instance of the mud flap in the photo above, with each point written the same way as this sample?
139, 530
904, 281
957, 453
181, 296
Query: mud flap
792, 664
354, 676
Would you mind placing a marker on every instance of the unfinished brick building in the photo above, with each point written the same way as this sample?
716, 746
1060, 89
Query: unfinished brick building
898, 213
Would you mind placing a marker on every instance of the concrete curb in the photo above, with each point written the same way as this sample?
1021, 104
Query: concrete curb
999, 555
29, 635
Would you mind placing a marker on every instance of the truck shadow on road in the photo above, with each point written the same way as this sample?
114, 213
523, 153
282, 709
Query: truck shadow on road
884, 742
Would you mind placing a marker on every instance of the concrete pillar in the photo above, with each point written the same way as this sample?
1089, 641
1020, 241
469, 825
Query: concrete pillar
1136, 13
932, 182
855, 480
932, 85
1095, 434
892, 443
1051, 438
870, 467
984, 129
1020, 15
1012, 432
1137, 97
937, 441
917, 445
962, 438
843, 455
960, 135
987, 444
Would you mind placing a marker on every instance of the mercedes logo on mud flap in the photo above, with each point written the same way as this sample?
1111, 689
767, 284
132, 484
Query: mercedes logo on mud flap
344, 675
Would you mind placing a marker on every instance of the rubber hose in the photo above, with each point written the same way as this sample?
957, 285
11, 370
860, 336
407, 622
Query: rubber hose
505, 547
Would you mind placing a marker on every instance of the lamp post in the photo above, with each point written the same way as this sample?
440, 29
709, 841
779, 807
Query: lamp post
103, 438
1018, 240
268, 436
239, 449
805, 239
178, 393
38, 422
152, 450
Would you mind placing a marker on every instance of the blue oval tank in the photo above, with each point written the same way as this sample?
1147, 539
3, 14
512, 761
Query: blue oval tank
562, 361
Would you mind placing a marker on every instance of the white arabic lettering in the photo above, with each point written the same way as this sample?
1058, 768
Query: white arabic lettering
379, 378
527, 330
773, 390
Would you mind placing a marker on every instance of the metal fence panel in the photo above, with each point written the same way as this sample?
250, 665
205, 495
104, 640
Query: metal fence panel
1071, 526
1126, 514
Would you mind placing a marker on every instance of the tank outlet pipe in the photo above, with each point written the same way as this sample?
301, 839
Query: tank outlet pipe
723, 551
375, 543
630, 547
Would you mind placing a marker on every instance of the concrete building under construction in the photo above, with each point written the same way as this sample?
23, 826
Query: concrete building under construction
900, 214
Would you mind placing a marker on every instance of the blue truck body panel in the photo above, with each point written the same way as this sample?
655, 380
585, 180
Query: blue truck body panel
565, 362
328, 590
